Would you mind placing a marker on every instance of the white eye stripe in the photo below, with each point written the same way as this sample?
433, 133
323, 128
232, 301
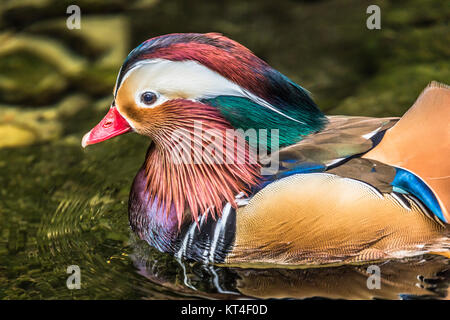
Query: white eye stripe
191, 78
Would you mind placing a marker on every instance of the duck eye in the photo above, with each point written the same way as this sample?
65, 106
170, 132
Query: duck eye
148, 98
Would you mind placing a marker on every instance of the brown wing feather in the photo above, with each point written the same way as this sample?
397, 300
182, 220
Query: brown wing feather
375, 173
342, 137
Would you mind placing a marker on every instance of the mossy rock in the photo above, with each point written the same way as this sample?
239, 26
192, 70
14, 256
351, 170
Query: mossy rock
96, 80
15, 136
29, 80
24, 127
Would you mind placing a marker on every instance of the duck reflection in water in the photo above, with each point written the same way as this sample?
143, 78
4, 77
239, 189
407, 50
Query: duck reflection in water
422, 277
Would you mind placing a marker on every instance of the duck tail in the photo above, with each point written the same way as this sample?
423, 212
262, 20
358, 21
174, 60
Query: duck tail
420, 142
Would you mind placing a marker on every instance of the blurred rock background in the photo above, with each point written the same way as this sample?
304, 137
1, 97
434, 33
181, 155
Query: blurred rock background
61, 205
53, 80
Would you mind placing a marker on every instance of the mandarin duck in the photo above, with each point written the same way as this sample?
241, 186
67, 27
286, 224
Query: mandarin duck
326, 189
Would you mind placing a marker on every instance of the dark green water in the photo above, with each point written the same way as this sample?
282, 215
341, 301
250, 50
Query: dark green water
61, 205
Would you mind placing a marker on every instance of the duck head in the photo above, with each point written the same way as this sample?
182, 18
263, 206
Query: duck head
170, 83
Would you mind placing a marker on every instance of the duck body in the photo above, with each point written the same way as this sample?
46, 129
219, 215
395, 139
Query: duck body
342, 213
335, 190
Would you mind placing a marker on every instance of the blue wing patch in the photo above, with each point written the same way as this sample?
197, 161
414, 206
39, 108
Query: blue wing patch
304, 167
407, 181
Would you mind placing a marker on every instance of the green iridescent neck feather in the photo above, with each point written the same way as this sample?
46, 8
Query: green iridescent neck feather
245, 114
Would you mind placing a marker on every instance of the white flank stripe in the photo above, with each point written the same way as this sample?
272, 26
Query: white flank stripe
220, 226
182, 250
400, 201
